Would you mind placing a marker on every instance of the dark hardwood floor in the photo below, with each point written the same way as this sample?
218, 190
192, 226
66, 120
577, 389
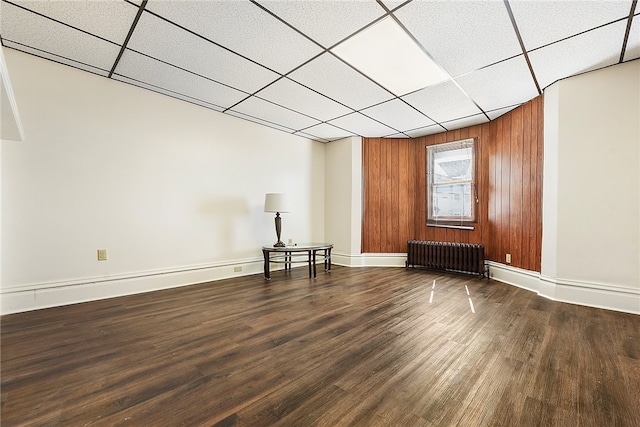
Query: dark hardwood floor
359, 346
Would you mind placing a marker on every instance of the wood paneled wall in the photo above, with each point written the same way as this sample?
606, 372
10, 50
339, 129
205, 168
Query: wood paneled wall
389, 194
509, 184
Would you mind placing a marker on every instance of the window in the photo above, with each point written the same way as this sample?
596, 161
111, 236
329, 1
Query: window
451, 191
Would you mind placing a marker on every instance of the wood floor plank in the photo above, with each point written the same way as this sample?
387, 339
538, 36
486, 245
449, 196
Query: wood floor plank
357, 347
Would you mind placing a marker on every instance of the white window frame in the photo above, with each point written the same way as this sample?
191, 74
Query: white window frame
461, 221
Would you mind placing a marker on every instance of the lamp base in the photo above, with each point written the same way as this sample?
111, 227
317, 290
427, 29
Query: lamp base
279, 244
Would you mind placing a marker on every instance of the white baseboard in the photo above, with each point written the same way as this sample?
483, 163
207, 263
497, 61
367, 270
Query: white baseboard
44, 295
369, 260
598, 295
52, 294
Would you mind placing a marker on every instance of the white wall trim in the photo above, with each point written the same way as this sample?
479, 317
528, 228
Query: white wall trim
369, 260
52, 294
590, 294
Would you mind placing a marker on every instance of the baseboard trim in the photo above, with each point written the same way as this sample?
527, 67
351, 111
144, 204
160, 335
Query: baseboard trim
369, 259
590, 294
52, 294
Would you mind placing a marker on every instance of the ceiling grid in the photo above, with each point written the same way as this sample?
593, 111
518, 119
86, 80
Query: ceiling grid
274, 62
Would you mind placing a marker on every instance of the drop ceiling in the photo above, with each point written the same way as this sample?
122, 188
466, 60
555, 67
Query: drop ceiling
273, 62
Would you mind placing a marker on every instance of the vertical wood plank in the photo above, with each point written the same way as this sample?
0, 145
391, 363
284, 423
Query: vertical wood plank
515, 188
498, 192
526, 186
506, 186
364, 226
540, 123
376, 158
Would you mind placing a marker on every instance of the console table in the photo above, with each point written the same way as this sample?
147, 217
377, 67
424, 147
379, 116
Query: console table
286, 256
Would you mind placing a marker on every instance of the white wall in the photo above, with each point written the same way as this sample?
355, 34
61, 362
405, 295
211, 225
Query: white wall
591, 197
343, 201
172, 190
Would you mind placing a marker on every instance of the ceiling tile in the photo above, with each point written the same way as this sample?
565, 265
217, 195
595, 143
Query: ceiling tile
429, 130
462, 36
397, 136
156, 73
442, 102
332, 77
466, 122
32, 30
292, 95
108, 19
569, 57
171, 44
327, 22
506, 83
392, 4
313, 137
264, 110
56, 58
494, 114
633, 43
363, 126
244, 28
327, 131
167, 92
259, 121
543, 22
398, 115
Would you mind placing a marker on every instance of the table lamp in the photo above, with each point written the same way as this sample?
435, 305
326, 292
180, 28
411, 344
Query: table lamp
276, 202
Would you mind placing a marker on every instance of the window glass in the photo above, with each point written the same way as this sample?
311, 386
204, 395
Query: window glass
451, 196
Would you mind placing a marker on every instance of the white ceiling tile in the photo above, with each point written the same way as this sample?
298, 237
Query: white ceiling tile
332, 77
462, 36
297, 97
466, 122
264, 110
56, 58
258, 121
156, 73
327, 131
244, 28
569, 57
327, 22
32, 30
494, 114
398, 115
392, 4
363, 126
108, 19
168, 93
429, 130
313, 137
397, 135
506, 83
543, 22
171, 44
442, 102
633, 43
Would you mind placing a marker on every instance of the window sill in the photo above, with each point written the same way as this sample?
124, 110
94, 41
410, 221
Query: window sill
457, 227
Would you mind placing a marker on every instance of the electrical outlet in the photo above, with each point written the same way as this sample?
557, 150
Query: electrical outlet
508, 259
102, 254
237, 269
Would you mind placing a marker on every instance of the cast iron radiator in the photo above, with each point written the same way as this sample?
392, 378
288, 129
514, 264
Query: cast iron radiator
459, 257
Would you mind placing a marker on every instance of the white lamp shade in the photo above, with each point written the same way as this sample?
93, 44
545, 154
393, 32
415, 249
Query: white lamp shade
276, 202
